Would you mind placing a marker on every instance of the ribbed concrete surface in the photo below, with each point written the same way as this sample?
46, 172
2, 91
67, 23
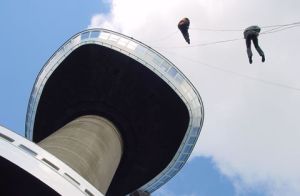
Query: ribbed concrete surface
91, 145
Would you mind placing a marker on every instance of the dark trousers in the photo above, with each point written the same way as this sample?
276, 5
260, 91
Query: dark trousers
185, 33
255, 42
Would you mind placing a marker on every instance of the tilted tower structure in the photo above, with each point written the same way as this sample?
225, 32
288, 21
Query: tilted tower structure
107, 115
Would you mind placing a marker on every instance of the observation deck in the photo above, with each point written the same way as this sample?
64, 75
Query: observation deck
158, 112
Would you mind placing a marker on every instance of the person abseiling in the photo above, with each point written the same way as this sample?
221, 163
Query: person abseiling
183, 26
250, 34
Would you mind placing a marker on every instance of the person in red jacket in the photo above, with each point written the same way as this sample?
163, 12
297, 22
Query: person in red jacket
183, 26
250, 34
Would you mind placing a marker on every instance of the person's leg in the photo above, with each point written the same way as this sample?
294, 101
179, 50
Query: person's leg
187, 37
249, 52
185, 34
259, 50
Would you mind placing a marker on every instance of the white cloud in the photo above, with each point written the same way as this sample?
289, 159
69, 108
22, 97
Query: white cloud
251, 127
103, 21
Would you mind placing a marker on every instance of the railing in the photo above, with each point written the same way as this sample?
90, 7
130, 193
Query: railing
150, 59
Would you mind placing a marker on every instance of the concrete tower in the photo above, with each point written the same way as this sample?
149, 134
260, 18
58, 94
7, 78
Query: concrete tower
107, 115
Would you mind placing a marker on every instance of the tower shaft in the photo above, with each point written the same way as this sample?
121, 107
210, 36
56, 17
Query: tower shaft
91, 145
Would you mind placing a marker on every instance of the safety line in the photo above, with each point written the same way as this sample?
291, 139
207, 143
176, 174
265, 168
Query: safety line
274, 30
238, 74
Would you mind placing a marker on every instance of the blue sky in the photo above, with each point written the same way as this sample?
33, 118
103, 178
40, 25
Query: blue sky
31, 31
198, 177
230, 158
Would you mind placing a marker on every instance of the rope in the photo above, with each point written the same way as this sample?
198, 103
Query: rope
275, 28
278, 28
216, 30
242, 29
238, 74
282, 25
201, 44
168, 36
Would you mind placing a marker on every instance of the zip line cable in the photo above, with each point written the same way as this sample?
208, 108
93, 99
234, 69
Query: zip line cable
201, 44
282, 25
238, 74
168, 36
198, 45
268, 30
274, 30
216, 30
271, 30
242, 29
278, 28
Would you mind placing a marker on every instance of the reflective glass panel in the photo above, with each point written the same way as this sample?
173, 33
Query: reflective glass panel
85, 35
95, 34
